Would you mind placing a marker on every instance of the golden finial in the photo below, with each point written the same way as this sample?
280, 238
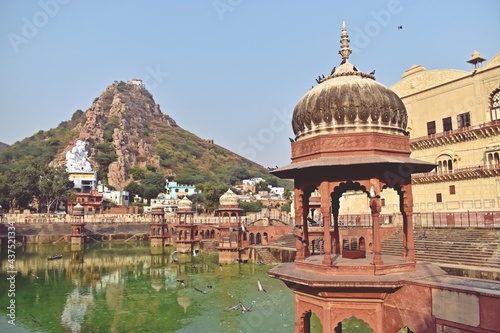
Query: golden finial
345, 51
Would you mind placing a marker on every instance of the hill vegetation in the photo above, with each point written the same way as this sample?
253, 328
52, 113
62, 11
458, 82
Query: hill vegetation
132, 145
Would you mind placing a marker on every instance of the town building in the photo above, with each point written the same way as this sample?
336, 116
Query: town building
178, 191
454, 122
119, 198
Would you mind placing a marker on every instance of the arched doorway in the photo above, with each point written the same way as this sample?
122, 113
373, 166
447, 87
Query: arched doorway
353, 325
312, 323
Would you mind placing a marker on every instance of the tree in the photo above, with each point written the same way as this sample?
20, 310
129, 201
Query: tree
255, 206
212, 193
5, 199
153, 184
23, 178
134, 188
137, 172
261, 186
54, 186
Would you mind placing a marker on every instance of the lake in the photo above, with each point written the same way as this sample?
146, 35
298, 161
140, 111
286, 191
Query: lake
123, 287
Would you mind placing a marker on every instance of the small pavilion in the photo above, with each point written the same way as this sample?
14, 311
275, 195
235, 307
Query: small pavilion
158, 227
350, 135
230, 232
185, 226
78, 226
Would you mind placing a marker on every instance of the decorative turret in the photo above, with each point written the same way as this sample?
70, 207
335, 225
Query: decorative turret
78, 225
476, 59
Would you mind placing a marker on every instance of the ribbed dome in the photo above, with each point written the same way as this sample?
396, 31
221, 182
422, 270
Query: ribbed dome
78, 208
348, 101
185, 203
229, 199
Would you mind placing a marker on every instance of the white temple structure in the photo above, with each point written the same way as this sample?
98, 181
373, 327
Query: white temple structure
79, 168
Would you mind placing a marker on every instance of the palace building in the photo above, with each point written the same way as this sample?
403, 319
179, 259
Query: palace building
454, 122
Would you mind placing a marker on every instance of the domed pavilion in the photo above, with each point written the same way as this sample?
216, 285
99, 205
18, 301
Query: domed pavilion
229, 213
350, 135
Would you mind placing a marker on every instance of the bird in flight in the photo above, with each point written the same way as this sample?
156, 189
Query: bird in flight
219, 264
182, 282
259, 285
234, 307
400, 27
244, 308
172, 258
35, 320
204, 292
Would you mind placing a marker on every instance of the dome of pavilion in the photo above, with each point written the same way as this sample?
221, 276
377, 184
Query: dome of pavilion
229, 199
185, 204
78, 208
348, 101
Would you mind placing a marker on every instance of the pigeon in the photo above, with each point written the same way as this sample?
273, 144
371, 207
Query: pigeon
259, 285
204, 292
301, 239
172, 259
35, 320
234, 307
182, 282
422, 236
244, 308
372, 72
333, 70
400, 27
219, 264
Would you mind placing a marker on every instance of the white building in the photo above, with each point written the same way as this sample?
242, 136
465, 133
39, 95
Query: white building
120, 198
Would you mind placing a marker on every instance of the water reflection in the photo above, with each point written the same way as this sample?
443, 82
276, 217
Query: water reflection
124, 287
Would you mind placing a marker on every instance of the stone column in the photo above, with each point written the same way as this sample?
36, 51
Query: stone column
325, 211
375, 206
299, 229
409, 249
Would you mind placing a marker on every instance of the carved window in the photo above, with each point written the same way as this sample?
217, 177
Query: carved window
431, 127
493, 159
495, 105
447, 126
444, 165
463, 120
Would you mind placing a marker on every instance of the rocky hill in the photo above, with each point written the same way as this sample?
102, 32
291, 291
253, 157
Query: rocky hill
125, 128
3, 145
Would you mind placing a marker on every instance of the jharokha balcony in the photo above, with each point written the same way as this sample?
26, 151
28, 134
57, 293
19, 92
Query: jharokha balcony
462, 134
457, 174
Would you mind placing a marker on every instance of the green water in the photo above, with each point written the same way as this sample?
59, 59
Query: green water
122, 287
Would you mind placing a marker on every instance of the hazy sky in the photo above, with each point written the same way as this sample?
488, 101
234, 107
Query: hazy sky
228, 70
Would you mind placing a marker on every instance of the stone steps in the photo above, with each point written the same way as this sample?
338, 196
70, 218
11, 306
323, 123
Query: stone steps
478, 247
287, 240
265, 255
